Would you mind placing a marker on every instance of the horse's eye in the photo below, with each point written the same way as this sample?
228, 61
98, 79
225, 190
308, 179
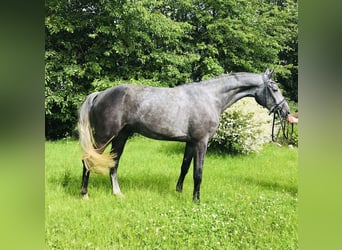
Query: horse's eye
273, 86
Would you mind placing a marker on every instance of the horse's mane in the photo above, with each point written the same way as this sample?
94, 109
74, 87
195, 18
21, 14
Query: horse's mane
226, 75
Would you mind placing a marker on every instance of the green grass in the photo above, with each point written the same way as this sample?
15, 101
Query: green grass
247, 202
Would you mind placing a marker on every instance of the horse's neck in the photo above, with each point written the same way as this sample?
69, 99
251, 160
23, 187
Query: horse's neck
231, 97
235, 88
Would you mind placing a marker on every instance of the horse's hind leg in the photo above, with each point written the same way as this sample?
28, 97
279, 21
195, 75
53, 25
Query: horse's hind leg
188, 155
85, 179
114, 180
118, 145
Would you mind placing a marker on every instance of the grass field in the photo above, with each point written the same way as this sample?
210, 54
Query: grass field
247, 202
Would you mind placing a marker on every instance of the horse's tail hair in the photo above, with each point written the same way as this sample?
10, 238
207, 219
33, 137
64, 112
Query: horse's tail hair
93, 158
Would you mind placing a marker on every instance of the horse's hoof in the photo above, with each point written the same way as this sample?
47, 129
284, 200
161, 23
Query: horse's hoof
119, 195
85, 196
196, 201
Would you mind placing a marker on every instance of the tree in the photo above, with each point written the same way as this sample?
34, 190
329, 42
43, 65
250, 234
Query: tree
120, 40
90, 45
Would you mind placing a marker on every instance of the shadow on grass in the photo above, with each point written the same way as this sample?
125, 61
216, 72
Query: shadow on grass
71, 184
179, 147
172, 148
271, 185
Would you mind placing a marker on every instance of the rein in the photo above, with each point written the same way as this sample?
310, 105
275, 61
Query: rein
287, 133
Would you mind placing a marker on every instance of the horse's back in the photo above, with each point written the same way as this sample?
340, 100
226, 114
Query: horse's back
178, 113
161, 113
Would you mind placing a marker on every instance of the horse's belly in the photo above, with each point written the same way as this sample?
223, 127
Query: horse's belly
162, 136
162, 130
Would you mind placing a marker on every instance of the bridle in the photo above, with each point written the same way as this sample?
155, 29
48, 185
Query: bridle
275, 109
276, 106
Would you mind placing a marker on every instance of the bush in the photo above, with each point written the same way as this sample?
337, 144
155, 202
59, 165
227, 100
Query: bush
244, 128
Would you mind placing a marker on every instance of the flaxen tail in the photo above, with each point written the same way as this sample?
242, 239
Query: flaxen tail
93, 159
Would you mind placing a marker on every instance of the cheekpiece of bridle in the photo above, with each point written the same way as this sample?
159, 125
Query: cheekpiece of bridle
286, 129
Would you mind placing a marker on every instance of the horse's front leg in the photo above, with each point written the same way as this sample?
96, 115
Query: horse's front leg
200, 150
188, 155
85, 179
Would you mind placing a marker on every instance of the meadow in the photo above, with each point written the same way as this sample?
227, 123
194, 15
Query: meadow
247, 201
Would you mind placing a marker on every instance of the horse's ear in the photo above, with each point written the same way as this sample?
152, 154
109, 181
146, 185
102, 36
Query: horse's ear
269, 73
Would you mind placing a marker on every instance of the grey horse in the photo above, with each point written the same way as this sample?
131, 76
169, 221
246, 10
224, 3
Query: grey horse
188, 113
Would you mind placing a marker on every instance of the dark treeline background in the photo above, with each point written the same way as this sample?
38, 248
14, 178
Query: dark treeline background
90, 45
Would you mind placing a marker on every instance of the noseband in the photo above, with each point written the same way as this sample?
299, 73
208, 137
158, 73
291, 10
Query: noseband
276, 107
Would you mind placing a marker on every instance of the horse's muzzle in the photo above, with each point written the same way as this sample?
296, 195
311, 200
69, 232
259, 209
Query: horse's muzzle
283, 110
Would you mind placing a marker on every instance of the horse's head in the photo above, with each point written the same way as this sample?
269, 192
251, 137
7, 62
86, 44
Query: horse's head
268, 95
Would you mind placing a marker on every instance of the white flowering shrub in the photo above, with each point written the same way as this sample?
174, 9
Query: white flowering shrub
244, 128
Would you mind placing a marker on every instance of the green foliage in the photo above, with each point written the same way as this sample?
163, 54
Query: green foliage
163, 42
247, 202
243, 128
